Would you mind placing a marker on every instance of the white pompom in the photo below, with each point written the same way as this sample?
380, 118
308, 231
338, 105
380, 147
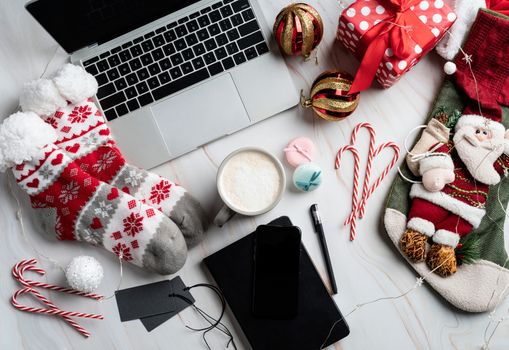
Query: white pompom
84, 273
449, 68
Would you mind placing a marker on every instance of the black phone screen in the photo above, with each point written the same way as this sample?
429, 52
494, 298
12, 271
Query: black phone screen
276, 272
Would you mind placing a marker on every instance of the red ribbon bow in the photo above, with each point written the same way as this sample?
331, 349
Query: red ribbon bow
397, 31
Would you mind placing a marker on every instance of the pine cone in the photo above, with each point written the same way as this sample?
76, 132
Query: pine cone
443, 259
413, 245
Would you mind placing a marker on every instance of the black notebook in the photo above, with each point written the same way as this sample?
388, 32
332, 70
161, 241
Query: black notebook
232, 268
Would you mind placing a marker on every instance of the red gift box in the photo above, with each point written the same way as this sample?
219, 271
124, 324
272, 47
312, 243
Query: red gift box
390, 36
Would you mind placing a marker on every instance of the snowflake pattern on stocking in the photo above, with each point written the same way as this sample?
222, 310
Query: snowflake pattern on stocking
122, 251
105, 161
80, 114
133, 224
46, 172
69, 192
104, 210
90, 140
160, 192
91, 237
134, 178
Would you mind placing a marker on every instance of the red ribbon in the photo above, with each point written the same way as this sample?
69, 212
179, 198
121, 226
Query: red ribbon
500, 6
397, 31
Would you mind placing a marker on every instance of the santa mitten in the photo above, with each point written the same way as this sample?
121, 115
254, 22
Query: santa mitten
65, 102
80, 206
452, 222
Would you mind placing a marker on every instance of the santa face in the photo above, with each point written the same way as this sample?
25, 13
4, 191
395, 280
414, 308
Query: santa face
479, 149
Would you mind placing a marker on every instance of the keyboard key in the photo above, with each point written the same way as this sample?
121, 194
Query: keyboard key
199, 49
170, 36
92, 69
131, 92
146, 59
110, 114
215, 68
135, 64
120, 84
149, 35
262, 48
194, 15
102, 65
203, 21
113, 74
131, 79
142, 87
138, 40
227, 1
90, 61
169, 49
104, 55
240, 5
205, 10
183, 20
233, 34
176, 59
180, 44
228, 63
125, 55
220, 53
187, 68
188, 54
116, 50
236, 19
175, 72
239, 58
101, 79
160, 30
251, 53
250, 40
121, 110
181, 31
158, 54
248, 28
136, 50
192, 26
225, 24
210, 44
154, 69
153, 82
127, 44
214, 29
215, 16
191, 39
198, 63
180, 84
158, 41
202, 34
114, 60
124, 69
232, 48
142, 74
165, 64
147, 46
171, 25
133, 105
145, 99
248, 15
113, 100
106, 90
221, 39
226, 11
209, 58
216, 5
164, 77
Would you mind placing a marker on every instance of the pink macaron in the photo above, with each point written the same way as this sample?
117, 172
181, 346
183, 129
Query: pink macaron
299, 151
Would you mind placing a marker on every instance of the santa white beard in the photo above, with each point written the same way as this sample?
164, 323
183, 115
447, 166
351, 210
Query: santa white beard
479, 156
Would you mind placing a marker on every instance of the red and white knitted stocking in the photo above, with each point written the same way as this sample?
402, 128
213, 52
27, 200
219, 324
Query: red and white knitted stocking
81, 207
65, 102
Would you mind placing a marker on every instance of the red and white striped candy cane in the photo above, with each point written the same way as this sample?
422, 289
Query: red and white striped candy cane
355, 189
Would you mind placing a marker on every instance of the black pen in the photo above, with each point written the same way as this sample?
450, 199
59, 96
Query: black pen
317, 223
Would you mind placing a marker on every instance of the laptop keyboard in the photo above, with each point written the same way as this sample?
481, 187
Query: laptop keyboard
176, 56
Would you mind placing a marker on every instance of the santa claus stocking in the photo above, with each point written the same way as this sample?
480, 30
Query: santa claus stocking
81, 207
452, 222
65, 102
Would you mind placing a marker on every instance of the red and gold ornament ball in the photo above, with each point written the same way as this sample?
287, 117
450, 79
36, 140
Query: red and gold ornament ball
329, 96
298, 29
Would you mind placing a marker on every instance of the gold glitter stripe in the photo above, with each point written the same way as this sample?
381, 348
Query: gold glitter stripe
287, 34
308, 32
328, 117
316, 15
331, 83
335, 105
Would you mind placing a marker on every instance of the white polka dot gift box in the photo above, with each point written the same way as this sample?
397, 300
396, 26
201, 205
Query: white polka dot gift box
390, 36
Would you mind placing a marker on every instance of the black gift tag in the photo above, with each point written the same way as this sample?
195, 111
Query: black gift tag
180, 303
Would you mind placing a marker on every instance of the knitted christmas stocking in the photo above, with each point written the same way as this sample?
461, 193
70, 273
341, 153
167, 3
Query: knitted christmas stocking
81, 207
65, 102
453, 222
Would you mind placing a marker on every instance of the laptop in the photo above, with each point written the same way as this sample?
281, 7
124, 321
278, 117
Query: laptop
173, 74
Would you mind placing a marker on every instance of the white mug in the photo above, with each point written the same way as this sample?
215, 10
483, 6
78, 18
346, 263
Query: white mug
250, 181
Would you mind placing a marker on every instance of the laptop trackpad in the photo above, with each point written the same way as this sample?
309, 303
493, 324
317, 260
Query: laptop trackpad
200, 115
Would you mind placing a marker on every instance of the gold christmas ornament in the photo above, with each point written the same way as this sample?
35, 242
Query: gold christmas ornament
298, 29
329, 96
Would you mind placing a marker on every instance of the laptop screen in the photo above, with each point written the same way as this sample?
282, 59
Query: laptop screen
75, 24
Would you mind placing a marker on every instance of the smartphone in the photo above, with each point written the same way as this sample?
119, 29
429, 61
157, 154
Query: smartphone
276, 272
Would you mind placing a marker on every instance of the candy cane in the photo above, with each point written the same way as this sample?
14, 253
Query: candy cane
353, 227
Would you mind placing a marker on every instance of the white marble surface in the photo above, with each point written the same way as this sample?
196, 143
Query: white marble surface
367, 269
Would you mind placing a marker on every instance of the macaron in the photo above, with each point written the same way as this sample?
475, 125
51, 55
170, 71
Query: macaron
299, 151
307, 177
